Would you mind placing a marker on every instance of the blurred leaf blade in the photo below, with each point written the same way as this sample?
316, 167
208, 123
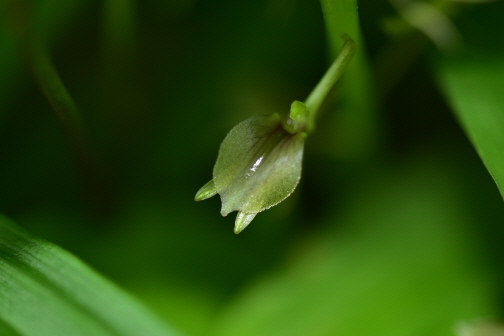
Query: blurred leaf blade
404, 264
44, 290
472, 84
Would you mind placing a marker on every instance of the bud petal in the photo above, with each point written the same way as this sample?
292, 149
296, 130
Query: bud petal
207, 191
242, 220
259, 165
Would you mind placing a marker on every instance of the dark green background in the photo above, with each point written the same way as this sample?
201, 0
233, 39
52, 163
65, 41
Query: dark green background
160, 83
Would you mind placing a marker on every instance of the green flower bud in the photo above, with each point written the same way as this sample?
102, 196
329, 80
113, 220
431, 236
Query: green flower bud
298, 120
259, 162
258, 166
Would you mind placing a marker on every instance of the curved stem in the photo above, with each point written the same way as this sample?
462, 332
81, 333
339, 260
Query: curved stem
320, 92
357, 121
36, 53
56, 92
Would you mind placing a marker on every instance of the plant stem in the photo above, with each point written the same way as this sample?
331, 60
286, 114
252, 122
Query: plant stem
56, 93
320, 92
356, 120
34, 45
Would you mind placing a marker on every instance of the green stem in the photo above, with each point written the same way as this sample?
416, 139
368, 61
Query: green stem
56, 93
356, 123
34, 45
321, 91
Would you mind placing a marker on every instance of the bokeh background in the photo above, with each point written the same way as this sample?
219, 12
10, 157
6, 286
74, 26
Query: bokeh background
406, 241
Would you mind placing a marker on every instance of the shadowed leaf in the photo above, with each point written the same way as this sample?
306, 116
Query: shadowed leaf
45, 290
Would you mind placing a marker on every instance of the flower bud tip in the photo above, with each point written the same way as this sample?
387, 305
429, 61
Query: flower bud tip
207, 191
298, 110
242, 220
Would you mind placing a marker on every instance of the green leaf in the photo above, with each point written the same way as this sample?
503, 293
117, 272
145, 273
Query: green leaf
44, 290
399, 259
473, 85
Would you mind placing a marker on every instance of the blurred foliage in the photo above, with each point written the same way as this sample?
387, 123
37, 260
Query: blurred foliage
472, 81
407, 241
44, 290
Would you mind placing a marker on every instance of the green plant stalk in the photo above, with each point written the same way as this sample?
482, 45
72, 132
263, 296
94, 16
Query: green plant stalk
321, 91
119, 26
117, 64
357, 120
121, 98
29, 27
56, 93
34, 42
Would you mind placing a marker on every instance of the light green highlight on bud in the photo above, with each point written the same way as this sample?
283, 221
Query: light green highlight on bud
298, 118
243, 220
207, 191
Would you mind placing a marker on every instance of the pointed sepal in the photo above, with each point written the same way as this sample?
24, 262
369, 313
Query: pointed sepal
243, 219
207, 191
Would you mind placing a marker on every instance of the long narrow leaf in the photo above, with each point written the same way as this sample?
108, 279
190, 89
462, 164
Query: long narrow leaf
44, 290
473, 84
